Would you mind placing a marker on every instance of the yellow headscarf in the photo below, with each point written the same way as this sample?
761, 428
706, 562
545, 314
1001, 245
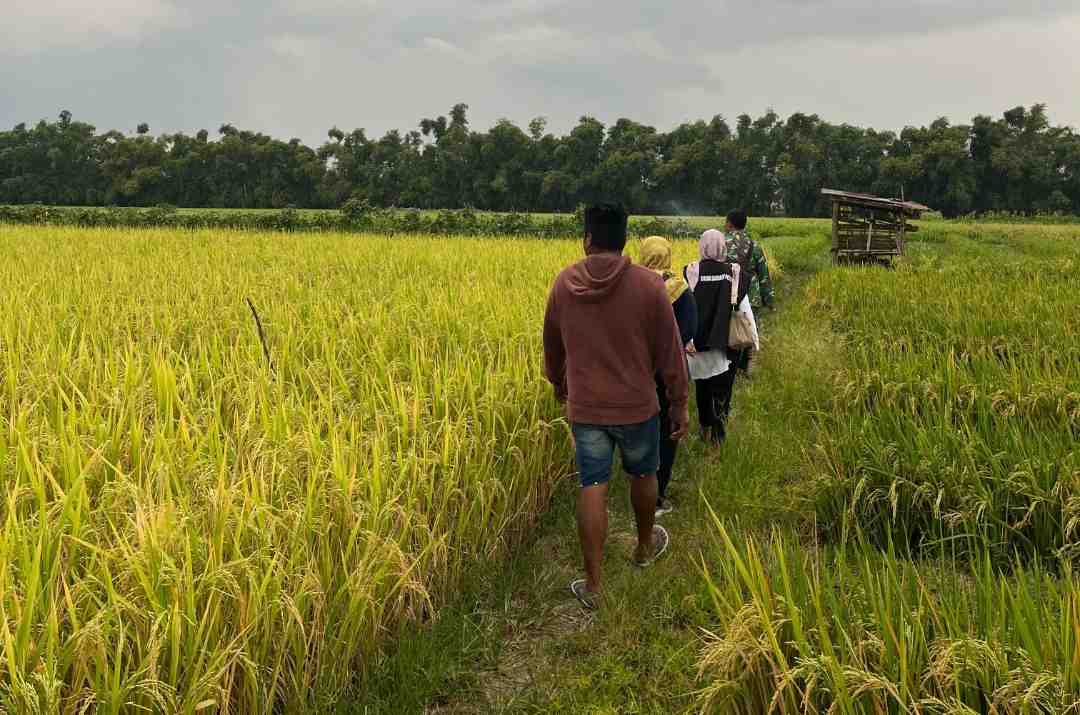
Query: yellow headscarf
656, 256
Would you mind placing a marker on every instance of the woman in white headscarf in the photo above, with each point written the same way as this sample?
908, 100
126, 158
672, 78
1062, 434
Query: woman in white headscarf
711, 247
719, 288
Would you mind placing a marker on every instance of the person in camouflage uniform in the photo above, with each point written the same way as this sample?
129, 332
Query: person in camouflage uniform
747, 253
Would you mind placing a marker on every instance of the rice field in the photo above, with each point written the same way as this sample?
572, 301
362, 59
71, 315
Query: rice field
189, 527
940, 488
195, 519
853, 630
957, 415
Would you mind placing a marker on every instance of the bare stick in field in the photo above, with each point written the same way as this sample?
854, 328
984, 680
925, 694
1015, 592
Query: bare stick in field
262, 335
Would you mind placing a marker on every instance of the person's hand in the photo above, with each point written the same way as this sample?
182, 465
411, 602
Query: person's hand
680, 424
690, 349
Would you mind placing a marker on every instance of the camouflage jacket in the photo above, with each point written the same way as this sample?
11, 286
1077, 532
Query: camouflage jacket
747, 253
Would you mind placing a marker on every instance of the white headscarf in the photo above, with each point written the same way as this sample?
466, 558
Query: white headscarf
711, 247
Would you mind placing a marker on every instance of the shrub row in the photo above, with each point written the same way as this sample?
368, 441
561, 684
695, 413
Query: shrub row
355, 216
1045, 218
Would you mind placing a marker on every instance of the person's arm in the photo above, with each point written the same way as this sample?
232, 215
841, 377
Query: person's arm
554, 350
671, 363
686, 316
761, 270
690, 348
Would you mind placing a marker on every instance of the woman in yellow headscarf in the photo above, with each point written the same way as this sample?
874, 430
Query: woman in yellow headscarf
656, 256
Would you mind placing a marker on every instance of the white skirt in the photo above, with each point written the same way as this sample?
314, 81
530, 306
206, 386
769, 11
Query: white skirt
708, 364
711, 363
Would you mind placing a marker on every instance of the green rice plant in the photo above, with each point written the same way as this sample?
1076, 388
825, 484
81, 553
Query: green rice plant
955, 414
857, 630
184, 528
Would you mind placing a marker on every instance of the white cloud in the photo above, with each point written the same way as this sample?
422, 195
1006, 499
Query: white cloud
321, 7
296, 48
535, 45
515, 10
912, 79
31, 27
442, 47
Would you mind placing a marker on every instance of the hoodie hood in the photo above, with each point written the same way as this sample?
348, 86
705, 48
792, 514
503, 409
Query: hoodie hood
595, 277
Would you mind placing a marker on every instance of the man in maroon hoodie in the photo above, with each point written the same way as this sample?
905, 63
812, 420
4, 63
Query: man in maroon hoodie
608, 332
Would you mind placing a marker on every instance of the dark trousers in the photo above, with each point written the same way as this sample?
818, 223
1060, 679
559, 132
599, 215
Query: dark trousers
668, 446
714, 398
744, 360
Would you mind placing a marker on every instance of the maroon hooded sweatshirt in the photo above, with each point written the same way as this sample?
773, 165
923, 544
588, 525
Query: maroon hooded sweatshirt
608, 332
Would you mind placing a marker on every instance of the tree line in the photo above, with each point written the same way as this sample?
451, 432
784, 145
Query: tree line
1018, 163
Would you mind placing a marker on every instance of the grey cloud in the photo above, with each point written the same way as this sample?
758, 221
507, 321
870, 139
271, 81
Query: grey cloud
30, 27
703, 24
294, 67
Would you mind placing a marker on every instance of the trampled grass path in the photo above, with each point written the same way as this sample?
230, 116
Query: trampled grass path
518, 641
638, 653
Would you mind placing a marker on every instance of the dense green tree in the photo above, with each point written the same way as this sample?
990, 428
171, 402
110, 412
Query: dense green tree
691, 166
54, 162
1018, 162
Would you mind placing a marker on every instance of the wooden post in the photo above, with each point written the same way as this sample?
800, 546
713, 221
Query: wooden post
835, 230
900, 239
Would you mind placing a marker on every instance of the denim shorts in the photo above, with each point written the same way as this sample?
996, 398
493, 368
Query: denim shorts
594, 447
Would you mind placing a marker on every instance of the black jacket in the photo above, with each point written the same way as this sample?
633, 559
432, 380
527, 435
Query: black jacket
686, 316
713, 297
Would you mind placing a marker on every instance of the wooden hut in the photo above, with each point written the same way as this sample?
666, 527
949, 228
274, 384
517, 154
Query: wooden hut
869, 228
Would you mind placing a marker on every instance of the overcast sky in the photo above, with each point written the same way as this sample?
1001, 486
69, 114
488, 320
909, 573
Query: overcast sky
294, 68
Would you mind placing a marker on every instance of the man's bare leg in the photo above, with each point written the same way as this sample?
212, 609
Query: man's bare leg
643, 493
592, 522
